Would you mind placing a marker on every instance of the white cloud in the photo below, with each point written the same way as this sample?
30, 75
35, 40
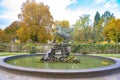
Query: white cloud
12, 5
115, 5
99, 1
58, 9
111, 4
108, 5
12, 9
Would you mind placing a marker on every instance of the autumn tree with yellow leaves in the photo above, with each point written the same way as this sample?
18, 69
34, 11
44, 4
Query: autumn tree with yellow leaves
36, 22
65, 24
3, 36
11, 30
112, 30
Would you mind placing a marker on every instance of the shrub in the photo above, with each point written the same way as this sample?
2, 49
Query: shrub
33, 50
2, 47
96, 48
28, 47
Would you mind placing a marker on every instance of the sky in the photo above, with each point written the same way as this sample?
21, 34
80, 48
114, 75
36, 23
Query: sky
69, 10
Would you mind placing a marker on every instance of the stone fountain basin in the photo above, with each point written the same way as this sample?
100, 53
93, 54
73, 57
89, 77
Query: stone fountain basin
59, 73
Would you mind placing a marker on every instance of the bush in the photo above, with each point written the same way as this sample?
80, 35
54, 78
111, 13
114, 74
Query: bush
29, 47
33, 50
2, 47
96, 48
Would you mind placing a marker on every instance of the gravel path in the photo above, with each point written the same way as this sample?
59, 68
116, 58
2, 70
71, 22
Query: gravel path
4, 75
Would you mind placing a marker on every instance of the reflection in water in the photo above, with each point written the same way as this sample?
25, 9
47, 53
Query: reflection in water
85, 62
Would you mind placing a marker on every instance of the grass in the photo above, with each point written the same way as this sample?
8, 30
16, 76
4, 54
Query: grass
108, 55
10, 53
17, 53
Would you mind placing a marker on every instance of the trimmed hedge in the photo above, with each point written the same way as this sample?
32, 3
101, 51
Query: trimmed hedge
96, 48
75, 48
25, 47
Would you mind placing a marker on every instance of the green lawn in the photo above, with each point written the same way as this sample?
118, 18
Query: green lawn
10, 53
17, 53
108, 55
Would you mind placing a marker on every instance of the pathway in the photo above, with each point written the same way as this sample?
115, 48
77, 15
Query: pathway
4, 75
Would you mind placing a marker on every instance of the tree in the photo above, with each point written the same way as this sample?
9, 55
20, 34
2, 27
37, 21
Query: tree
82, 25
65, 24
112, 30
99, 25
3, 36
56, 23
36, 21
97, 28
11, 31
96, 18
78, 36
106, 17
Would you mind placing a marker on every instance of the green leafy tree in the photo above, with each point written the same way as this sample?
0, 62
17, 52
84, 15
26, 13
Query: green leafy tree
99, 24
96, 18
106, 17
81, 28
97, 28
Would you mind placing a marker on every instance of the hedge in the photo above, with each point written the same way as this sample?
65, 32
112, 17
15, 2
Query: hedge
96, 48
75, 48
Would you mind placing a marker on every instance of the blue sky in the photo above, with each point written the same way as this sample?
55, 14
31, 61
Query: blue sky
60, 9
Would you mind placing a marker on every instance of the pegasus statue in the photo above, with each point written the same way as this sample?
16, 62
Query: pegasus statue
64, 32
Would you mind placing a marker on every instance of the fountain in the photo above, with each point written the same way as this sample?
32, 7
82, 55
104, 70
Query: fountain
63, 48
63, 65
65, 54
